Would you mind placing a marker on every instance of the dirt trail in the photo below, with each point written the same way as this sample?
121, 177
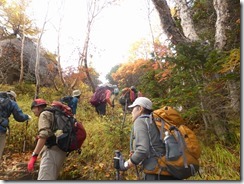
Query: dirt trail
14, 167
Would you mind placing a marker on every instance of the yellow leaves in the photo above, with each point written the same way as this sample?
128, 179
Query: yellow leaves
233, 62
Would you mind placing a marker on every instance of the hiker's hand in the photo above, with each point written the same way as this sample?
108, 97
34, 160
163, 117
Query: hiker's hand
29, 117
122, 166
31, 163
112, 105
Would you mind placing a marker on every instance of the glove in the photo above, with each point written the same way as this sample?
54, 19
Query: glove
31, 163
29, 117
121, 164
112, 105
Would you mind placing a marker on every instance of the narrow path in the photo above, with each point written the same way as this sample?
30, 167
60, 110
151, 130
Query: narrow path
14, 167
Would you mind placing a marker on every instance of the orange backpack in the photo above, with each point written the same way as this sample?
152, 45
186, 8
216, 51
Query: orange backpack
182, 146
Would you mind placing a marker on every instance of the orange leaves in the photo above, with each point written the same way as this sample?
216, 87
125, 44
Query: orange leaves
130, 72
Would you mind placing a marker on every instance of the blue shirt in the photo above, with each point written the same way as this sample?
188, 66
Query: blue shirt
73, 104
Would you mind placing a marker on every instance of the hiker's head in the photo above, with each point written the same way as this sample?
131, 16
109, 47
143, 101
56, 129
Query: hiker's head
141, 105
38, 105
133, 88
110, 86
12, 95
76, 93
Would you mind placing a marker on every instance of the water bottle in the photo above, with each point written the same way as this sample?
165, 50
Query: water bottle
172, 147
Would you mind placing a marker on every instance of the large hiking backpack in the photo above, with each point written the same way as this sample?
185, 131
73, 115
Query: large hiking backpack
182, 146
69, 134
66, 100
99, 96
127, 97
4, 100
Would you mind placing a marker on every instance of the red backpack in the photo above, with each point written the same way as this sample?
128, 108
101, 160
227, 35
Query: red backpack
69, 134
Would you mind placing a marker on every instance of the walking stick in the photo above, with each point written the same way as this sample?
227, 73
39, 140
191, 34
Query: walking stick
26, 126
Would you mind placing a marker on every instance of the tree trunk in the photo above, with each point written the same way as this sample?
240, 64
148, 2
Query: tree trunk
186, 21
221, 8
168, 24
21, 77
37, 75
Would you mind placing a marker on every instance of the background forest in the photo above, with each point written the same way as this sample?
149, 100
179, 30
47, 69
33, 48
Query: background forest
196, 70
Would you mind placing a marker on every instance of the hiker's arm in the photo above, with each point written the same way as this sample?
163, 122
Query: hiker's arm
141, 143
108, 95
18, 114
40, 143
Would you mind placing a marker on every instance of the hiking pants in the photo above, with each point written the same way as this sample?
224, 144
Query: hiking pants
2, 142
52, 160
101, 109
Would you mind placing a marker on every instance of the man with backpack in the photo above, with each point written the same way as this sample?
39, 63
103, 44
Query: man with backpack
8, 107
128, 96
52, 157
145, 141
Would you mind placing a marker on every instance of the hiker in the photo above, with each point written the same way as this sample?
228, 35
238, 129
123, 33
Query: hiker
144, 145
74, 102
8, 107
128, 96
136, 92
106, 90
52, 158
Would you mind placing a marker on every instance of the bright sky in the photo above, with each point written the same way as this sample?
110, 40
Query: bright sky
113, 32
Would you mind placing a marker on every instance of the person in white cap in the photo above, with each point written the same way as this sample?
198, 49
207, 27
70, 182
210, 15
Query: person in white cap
74, 102
145, 140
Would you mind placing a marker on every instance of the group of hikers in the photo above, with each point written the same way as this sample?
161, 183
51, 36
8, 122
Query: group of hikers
146, 143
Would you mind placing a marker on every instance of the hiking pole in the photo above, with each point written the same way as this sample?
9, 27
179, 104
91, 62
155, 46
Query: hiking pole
116, 163
26, 126
124, 114
137, 173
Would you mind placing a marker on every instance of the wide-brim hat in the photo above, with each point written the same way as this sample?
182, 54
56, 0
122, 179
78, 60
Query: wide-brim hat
76, 93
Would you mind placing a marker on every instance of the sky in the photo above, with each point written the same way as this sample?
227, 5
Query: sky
113, 32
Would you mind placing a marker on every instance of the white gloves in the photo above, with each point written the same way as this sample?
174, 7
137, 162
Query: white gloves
29, 117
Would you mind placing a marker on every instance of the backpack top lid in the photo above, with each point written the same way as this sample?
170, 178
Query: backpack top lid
65, 108
169, 115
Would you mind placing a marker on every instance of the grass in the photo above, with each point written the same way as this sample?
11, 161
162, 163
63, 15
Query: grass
105, 135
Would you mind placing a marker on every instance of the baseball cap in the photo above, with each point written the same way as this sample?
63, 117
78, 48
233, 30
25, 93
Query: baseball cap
38, 102
12, 93
142, 101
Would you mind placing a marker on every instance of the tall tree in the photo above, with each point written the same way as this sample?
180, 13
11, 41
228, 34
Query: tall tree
94, 8
185, 33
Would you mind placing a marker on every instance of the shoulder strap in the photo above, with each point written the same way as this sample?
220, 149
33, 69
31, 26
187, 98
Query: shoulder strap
151, 120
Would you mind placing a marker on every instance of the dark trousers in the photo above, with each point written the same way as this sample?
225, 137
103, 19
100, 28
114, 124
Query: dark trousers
152, 177
101, 109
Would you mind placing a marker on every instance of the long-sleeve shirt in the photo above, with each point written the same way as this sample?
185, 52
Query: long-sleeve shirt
145, 141
11, 108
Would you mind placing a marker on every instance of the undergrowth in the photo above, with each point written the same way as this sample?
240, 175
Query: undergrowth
109, 133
